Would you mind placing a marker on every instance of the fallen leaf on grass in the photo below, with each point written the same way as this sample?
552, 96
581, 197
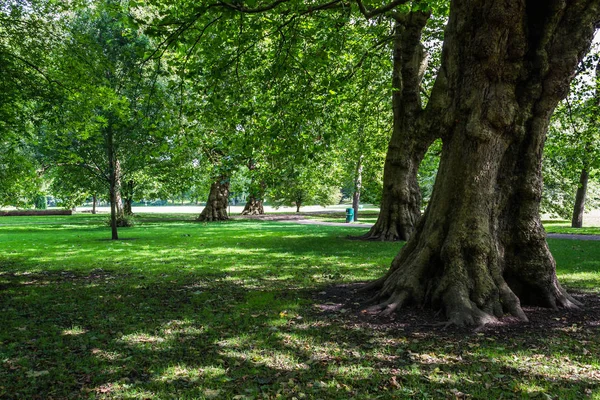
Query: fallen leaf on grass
211, 393
35, 374
458, 394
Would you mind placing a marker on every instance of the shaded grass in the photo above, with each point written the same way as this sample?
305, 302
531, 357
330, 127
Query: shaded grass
190, 310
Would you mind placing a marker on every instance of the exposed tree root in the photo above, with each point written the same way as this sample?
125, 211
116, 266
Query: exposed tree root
211, 217
461, 278
389, 235
253, 207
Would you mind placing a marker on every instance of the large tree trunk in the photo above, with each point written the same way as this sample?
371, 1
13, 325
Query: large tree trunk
480, 249
401, 199
218, 199
254, 206
357, 187
578, 210
254, 203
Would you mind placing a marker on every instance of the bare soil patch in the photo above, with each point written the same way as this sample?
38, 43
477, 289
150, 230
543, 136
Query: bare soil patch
347, 305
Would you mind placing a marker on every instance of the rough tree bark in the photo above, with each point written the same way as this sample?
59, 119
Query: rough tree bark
480, 249
401, 198
579, 208
254, 204
216, 205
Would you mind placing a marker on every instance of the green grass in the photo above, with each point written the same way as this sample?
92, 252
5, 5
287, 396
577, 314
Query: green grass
562, 226
365, 217
179, 309
551, 226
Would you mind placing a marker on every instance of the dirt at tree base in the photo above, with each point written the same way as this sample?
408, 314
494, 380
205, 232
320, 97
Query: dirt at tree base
349, 306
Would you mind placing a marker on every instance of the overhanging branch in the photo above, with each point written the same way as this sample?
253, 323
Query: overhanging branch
377, 11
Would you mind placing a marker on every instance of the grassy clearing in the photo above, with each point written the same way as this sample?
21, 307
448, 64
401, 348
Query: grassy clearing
180, 309
562, 226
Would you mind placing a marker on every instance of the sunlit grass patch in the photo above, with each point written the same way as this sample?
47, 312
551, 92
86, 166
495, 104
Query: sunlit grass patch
75, 330
563, 226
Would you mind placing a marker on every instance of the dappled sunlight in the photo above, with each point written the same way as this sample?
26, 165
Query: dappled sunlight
550, 366
190, 374
588, 280
195, 250
141, 339
278, 360
434, 358
351, 371
177, 328
107, 355
76, 330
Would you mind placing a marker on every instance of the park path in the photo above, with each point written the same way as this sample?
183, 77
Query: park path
364, 225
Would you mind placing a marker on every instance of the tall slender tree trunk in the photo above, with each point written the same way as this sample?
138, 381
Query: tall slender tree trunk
218, 199
119, 204
357, 187
401, 198
579, 208
114, 183
127, 204
480, 250
94, 201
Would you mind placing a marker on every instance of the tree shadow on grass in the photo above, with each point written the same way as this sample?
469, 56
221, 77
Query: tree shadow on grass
213, 312
101, 334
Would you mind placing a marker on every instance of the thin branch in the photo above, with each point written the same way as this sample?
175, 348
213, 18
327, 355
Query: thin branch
246, 10
376, 46
573, 125
187, 58
37, 69
381, 10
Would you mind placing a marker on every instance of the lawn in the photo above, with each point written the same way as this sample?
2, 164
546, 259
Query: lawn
247, 310
370, 217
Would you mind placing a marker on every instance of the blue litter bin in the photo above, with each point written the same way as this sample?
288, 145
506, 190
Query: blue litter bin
349, 215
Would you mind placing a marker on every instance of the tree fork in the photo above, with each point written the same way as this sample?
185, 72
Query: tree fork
480, 251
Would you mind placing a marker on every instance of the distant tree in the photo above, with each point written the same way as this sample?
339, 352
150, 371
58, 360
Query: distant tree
116, 120
572, 151
314, 183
